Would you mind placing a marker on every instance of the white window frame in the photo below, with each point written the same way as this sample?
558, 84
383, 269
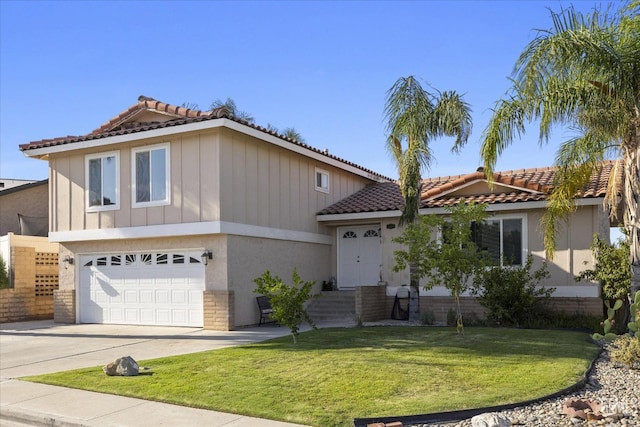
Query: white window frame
87, 174
148, 148
525, 237
324, 173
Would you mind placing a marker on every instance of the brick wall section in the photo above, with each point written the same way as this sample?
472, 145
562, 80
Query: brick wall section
64, 306
35, 276
371, 303
592, 306
219, 310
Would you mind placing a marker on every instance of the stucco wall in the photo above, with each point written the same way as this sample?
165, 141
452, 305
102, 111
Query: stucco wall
573, 253
248, 258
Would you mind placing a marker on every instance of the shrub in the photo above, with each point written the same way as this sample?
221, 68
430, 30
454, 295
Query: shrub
4, 278
287, 302
626, 350
511, 295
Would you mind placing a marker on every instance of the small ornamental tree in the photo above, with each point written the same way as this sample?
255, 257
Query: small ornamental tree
287, 302
450, 260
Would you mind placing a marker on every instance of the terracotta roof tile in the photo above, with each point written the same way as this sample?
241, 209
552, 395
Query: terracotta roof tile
527, 185
120, 125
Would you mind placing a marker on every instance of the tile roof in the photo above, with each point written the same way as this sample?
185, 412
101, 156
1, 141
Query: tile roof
124, 124
524, 185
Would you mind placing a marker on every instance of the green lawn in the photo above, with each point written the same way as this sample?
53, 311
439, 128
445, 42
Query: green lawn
334, 375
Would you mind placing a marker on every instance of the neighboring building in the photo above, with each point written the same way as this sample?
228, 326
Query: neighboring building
24, 208
6, 184
167, 215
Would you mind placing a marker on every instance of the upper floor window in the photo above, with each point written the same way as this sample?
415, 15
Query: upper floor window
151, 186
322, 180
102, 181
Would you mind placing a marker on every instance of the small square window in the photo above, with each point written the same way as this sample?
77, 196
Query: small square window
322, 180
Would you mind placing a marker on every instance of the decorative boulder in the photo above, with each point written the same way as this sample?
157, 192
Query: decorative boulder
122, 366
490, 419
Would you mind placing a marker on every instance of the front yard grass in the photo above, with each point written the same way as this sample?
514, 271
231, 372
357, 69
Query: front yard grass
334, 375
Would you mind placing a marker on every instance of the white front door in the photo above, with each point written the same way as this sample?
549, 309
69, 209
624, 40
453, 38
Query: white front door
359, 259
151, 288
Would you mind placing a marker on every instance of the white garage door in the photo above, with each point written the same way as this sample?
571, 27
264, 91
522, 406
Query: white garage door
151, 288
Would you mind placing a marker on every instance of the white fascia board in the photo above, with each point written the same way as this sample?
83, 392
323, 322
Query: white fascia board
199, 126
518, 206
358, 216
188, 229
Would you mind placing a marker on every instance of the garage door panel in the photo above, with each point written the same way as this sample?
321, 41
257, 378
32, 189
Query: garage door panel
131, 296
146, 296
163, 316
146, 316
155, 292
162, 296
178, 297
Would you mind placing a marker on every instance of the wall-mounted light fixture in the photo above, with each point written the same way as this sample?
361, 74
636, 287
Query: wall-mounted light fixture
67, 261
206, 256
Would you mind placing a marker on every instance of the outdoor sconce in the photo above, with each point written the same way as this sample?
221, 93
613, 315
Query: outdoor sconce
206, 256
67, 261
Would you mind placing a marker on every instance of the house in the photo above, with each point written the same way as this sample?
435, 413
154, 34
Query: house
516, 203
165, 215
24, 207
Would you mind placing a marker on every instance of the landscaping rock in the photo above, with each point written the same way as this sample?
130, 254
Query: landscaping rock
490, 419
122, 366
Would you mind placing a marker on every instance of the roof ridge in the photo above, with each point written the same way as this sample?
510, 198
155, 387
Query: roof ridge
147, 103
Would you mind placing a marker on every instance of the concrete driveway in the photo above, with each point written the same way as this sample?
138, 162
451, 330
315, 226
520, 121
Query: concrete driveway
31, 348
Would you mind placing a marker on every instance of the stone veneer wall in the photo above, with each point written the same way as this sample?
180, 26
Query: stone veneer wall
219, 312
35, 279
371, 303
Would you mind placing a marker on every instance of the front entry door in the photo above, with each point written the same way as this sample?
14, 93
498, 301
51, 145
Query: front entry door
358, 256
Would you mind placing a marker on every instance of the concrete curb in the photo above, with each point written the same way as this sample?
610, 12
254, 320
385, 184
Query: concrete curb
33, 418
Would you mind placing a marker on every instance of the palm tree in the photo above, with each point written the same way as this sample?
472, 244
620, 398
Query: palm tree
233, 110
414, 118
585, 72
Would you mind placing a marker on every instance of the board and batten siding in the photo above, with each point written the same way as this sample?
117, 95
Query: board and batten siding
269, 186
216, 175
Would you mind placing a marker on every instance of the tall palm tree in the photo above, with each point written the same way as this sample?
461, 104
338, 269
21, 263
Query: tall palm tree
584, 72
414, 118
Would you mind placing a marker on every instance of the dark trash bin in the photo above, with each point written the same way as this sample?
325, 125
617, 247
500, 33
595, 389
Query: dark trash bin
400, 310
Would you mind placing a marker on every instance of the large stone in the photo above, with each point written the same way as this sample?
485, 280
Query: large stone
122, 366
490, 419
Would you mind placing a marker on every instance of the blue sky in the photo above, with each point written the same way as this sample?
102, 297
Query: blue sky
321, 67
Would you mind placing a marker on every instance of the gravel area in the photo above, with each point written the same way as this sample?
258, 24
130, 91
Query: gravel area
615, 387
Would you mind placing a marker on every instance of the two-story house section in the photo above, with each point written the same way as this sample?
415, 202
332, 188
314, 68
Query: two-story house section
166, 215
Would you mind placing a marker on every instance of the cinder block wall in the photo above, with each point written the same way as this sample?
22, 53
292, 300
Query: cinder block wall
64, 306
35, 278
219, 311
371, 303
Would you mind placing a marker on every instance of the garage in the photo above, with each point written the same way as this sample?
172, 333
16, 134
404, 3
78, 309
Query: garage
148, 288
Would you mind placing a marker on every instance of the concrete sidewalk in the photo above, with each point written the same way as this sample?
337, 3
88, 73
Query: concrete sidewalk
31, 348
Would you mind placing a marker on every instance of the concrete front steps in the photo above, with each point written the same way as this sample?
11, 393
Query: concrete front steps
333, 306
